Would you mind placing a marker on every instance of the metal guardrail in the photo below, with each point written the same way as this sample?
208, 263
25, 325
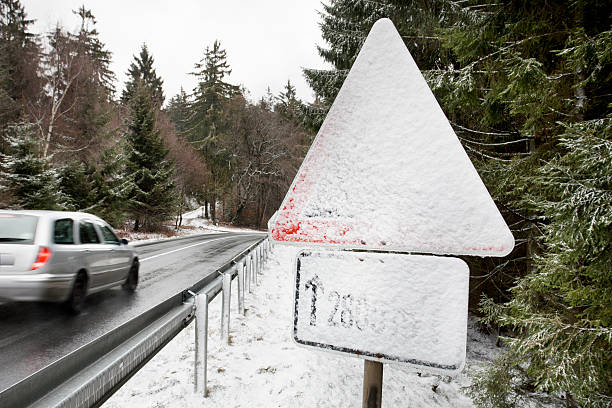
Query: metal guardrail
91, 374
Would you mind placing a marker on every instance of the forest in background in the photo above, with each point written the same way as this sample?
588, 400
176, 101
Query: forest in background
527, 86
70, 141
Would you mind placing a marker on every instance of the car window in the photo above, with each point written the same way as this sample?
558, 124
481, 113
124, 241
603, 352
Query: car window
109, 235
87, 233
63, 231
17, 228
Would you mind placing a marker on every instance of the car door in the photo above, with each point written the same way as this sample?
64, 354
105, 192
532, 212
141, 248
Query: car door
93, 254
65, 250
118, 255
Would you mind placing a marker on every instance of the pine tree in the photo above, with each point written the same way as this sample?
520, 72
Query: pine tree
527, 98
526, 86
31, 180
74, 105
141, 71
99, 187
110, 187
19, 51
561, 311
7, 104
91, 46
345, 25
288, 105
208, 120
75, 184
179, 111
19, 60
95, 87
151, 196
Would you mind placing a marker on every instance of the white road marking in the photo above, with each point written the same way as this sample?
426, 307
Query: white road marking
180, 249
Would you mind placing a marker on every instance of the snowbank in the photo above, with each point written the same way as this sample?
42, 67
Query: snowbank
193, 224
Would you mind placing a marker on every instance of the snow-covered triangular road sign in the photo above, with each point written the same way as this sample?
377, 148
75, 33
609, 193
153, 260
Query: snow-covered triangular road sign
386, 170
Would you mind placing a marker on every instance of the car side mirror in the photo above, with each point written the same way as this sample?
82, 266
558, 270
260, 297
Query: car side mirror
124, 241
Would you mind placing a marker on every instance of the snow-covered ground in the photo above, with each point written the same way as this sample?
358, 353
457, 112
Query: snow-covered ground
263, 367
193, 223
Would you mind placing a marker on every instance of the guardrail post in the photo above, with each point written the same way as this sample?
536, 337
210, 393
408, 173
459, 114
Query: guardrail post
257, 265
244, 277
225, 308
263, 256
201, 343
252, 263
239, 271
264, 252
249, 272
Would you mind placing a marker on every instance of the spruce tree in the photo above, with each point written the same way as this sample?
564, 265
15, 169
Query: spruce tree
19, 57
288, 105
7, 104
526, 86
345, 25
92, 112
527, 98
209, 121
99, 188
560, 312
141, 71
179, 111
32, 182
151, 189
75, 184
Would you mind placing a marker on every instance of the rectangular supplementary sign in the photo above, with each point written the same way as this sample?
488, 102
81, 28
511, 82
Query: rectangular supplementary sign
385, 307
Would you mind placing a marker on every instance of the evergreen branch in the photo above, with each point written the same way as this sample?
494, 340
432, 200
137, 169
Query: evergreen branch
494, 144
486, 133
514, 44
485, 155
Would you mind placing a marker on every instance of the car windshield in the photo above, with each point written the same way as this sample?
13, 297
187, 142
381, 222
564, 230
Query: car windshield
17, 228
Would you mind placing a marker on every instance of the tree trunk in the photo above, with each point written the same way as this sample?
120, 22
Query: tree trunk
136, 224
179, 214
263, 213
213, 209
532, 233
569, 401
206, 209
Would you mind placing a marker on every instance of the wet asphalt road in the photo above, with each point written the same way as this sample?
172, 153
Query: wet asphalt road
34, 335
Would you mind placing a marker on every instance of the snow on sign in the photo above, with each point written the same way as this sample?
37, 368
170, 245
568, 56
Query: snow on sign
384, 307
386, 170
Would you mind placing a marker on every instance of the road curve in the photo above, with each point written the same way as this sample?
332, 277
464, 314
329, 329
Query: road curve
34, 335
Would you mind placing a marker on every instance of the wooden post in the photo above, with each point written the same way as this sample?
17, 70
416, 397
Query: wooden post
372, 384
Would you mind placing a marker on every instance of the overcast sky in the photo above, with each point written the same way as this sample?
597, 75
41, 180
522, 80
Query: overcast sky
267, 41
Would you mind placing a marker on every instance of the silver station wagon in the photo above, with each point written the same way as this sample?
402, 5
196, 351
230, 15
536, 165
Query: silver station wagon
61, 256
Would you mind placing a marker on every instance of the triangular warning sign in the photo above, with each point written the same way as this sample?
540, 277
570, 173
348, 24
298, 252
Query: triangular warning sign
386, 170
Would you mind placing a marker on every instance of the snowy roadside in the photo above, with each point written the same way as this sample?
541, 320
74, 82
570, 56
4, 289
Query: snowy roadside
263, 367
193, 224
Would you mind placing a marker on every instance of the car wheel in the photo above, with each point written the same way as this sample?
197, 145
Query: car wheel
132, 280
77, 296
